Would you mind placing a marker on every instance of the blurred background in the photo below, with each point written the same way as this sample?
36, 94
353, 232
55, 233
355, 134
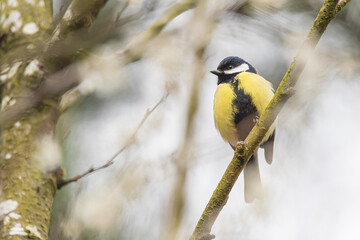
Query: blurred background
312, 189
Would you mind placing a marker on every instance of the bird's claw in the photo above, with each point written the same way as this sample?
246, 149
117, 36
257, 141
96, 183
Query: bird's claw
256, 119
242, 143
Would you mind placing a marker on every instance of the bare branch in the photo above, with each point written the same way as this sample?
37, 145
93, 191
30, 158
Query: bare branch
129, 142
135, 49
79, 16
284, 92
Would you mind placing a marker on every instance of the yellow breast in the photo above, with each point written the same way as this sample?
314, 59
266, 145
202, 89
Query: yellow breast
260, 91
223, 113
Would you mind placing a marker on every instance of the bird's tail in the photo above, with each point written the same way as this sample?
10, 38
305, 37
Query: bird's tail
269, 148
252, 181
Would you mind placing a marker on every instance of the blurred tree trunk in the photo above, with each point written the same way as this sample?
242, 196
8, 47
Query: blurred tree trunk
27, 186
33, 50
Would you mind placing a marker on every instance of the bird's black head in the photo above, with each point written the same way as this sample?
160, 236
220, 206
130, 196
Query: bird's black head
230, 67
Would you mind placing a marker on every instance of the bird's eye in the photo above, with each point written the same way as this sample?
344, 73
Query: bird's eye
231, 67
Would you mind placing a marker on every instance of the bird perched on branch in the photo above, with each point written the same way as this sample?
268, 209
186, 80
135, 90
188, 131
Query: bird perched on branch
241, 96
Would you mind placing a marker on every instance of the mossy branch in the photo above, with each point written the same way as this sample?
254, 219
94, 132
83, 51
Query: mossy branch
285, 90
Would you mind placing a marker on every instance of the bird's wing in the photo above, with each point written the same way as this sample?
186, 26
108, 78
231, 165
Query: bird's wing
258, 88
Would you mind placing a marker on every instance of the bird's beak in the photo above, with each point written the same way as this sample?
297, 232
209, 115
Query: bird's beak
216, 72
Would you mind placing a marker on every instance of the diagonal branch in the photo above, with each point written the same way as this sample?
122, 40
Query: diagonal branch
64, 41
136, 48
129, 142
79, 15
283, 93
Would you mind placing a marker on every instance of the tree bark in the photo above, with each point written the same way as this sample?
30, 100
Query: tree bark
27, 186
30, 157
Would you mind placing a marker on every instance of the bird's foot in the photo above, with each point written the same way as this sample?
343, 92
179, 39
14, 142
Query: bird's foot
256, 119
242, 143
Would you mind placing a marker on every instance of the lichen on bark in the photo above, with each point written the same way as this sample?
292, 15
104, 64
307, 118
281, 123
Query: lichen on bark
27, 59
21, 179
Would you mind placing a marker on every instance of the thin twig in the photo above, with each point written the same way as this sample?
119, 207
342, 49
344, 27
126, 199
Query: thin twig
129, 142
244, 152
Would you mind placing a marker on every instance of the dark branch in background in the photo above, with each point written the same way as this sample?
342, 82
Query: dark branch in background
129, 142
67, 78
77, 16
283, 93
76, 21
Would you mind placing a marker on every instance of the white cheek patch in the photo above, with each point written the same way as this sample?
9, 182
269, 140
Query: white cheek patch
242, 68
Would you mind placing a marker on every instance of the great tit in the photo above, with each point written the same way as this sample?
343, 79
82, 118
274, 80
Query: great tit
240, 98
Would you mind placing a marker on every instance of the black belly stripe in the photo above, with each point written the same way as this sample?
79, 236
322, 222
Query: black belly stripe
242, 104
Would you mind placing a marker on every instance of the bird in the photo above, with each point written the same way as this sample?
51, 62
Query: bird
240, 98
